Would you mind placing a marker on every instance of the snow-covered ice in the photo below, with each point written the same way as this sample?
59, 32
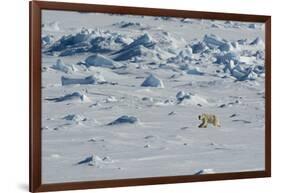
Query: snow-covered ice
101, 61
124, 119
59, 65
121, 96
73, 117
75, 97
204, 171
153, 81
86, 80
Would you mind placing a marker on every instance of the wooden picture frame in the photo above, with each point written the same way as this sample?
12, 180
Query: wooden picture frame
36, 184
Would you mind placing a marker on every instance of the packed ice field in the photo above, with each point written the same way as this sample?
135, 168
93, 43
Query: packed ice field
121, 96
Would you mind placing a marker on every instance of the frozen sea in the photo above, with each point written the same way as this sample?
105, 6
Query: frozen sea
100, 121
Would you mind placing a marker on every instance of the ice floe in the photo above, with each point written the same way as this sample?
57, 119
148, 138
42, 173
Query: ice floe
92, 79
95, 160
205, 171
64, 67
153, 81
100, 60
257, 42
75, 117
74, 97
124, 119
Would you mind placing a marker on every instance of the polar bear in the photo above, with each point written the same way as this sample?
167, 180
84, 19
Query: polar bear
208, 118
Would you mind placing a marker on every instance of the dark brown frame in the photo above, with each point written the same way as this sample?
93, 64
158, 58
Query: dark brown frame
35, 184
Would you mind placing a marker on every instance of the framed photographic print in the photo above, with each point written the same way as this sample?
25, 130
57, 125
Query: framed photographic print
123, 96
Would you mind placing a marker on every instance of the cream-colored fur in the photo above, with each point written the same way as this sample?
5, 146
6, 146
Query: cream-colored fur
208, 118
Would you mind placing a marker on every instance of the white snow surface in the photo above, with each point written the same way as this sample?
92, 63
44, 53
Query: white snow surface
99, 121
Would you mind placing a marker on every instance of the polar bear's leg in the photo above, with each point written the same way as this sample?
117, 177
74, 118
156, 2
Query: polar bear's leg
201, 125
205, 125
204, 122
217, 122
